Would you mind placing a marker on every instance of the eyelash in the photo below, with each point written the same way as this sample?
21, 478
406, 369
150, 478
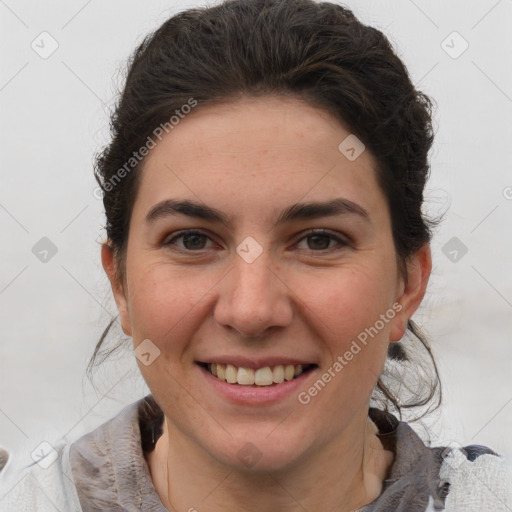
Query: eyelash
314, 232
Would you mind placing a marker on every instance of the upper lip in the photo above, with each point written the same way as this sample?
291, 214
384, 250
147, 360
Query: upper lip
253, 362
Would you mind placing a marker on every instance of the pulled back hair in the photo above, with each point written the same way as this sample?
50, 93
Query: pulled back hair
315, 51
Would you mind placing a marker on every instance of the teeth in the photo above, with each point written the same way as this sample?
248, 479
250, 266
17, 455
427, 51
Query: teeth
245, 376
231, 373
278, 374
261, 377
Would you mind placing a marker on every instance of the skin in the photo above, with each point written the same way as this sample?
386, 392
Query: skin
304, 297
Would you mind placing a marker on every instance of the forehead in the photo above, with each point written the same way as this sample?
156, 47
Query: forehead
259, 150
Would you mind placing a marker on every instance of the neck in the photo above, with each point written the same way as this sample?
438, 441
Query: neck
344, 475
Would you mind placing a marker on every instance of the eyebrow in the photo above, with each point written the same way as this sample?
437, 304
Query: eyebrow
298, 211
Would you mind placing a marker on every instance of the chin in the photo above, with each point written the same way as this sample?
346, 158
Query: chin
259, 453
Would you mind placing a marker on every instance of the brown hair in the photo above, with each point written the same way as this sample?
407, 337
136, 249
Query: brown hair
317, 51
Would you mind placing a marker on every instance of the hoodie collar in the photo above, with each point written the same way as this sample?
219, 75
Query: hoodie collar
111, 473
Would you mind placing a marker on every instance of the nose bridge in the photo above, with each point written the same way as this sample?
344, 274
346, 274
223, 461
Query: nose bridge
253, 280
252, 297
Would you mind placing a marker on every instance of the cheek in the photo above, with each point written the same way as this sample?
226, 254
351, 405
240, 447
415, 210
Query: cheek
352, 314
161, 301
347, 301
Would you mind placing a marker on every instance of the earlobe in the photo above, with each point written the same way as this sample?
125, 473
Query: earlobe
109, 265
419, 267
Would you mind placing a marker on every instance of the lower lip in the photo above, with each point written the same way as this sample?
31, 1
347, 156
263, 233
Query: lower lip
256, 395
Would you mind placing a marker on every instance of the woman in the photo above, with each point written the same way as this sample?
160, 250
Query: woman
266, 251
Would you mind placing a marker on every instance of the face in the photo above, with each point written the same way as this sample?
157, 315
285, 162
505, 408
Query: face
259, 285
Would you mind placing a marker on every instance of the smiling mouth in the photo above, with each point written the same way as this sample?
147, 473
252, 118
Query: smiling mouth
266, 376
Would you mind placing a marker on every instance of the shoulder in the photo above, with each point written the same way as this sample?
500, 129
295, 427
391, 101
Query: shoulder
479, 479
46, 485
109, 466
451, 479
73, 475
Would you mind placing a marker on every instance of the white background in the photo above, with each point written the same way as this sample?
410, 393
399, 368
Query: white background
54, 117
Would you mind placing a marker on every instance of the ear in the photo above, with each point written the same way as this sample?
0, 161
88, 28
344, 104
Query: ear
419, 267
109, 265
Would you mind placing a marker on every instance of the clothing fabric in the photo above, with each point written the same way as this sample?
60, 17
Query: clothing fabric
105, 470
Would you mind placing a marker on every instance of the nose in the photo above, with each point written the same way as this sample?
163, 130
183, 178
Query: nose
253, 298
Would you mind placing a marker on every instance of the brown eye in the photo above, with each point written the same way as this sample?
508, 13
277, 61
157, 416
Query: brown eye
320, 240
192, 240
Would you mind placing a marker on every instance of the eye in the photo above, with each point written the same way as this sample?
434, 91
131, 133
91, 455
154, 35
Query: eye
193, 240
320, 240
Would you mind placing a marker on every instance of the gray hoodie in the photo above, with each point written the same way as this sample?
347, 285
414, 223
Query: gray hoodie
108, 479
106, 470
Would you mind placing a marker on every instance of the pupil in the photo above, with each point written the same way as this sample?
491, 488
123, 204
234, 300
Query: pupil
324, 237
186, 238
